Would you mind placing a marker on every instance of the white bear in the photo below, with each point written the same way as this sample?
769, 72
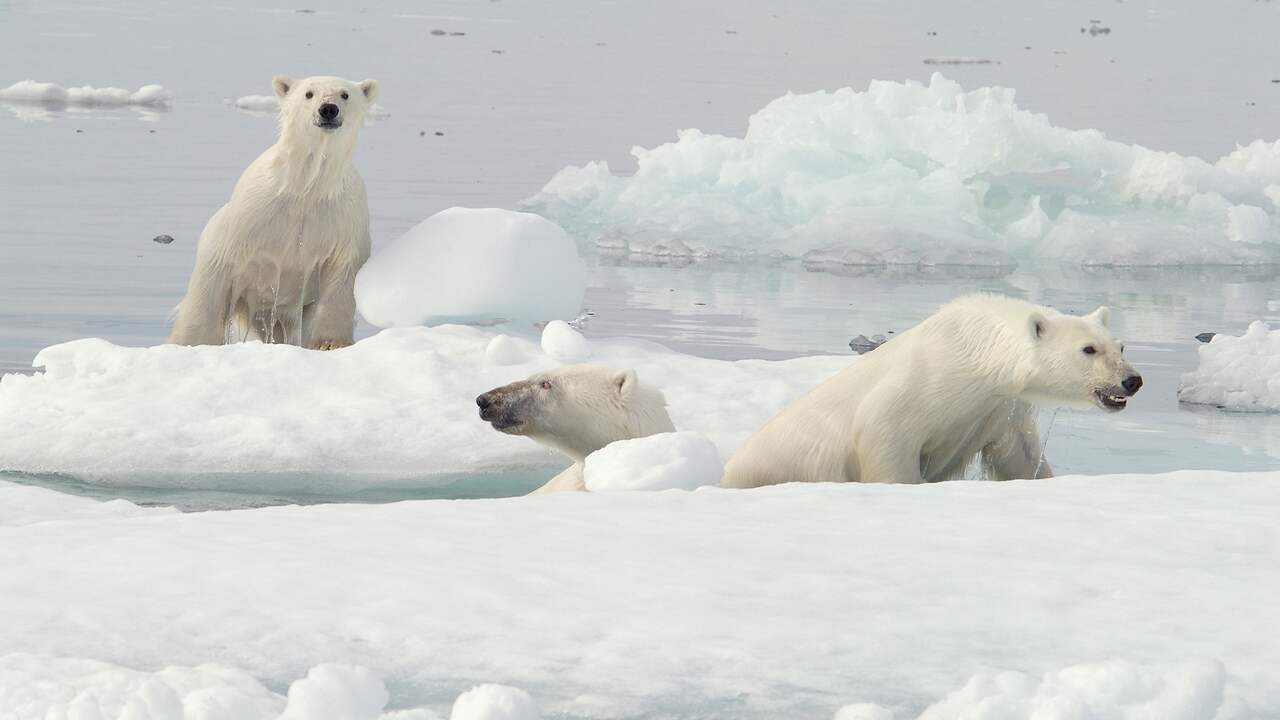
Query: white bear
918, 408
280, 258
576, 409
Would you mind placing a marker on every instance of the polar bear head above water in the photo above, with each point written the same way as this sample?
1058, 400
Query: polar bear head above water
577, 409
323, 104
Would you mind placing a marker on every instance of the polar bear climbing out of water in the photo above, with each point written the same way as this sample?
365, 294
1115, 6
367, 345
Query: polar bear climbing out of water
280, 258
918, 408
576, 409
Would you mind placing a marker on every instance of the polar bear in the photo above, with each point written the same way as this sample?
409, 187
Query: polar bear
576, 409
280, 258
918, 408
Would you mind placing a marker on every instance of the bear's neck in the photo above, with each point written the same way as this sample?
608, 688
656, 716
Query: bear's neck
307, 167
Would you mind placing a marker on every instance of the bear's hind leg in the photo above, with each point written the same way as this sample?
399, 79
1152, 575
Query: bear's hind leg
1018, 454
201, 317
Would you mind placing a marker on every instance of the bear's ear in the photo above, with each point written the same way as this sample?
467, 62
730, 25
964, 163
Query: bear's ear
1037, 324
281, 84
370, 89
625, 381
1102, 316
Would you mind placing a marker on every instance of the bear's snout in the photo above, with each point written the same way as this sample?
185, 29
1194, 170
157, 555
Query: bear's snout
484, 401
1132, 383
328, 112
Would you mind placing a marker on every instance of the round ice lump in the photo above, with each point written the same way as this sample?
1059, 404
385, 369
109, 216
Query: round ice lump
476, 265
494, 702
561, 342
666, 461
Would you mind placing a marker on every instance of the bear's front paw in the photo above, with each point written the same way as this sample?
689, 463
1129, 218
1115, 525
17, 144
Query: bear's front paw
329, 344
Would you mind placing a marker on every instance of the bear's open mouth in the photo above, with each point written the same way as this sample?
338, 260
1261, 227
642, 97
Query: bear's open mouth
1109, 400
328, 124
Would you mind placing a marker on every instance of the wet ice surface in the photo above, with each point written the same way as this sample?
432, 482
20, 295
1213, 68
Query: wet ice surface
90, 187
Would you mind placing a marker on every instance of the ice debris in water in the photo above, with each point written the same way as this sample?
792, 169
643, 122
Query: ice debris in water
666, 461
1237, 373
162, 239
923, 174
473, 265
1205, 337
863, 344
30, 91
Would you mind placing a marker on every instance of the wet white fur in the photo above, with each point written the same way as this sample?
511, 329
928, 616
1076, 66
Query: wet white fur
919, 407
586, 408
280, 258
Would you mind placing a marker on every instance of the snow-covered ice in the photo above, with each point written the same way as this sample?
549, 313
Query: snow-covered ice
1237, 373
473, 264
30, 91
923, 174
1131, 596
400, 403
667, 461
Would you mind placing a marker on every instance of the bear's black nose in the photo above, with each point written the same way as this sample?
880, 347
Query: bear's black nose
1132, 383
483, 401
328, 111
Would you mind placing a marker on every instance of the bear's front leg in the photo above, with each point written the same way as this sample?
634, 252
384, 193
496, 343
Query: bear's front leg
201, 317
1017, 454
330, 322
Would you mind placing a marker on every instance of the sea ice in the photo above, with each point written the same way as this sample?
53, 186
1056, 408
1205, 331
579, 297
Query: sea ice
473, 265
1237, 373
923, 174
398, 405
30, 91
679, 460
271, 104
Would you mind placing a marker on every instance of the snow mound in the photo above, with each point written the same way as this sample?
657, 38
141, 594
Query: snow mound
336, 692
271, 104
562, 342
1237, 373
30, 91
495, 702
393, 408
913, 174
666, 461
1115, 690
473, 265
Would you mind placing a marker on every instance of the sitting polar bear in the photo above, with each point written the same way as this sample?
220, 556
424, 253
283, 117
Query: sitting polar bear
919, 407
280, 258
576, 409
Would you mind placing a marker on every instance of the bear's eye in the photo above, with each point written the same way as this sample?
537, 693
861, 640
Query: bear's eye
345, 96
310, 94
546, 384
1089, 349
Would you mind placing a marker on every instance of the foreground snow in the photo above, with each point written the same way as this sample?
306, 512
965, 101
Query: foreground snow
1116, 597
924, 174
398, 404
1237, 373
30, 91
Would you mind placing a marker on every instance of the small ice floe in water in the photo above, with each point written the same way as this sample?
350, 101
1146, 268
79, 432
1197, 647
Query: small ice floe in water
1096, 28
30, 91
863, 344
474, 265
162, 239
956, 60
1237, 373
1205, 337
